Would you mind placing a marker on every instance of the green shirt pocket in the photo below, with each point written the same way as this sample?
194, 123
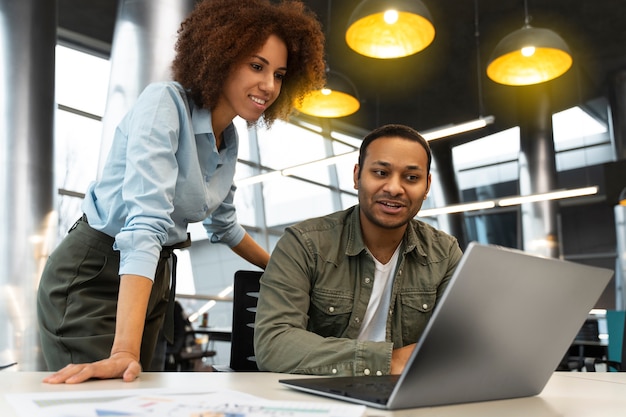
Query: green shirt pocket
329, 312
416, 309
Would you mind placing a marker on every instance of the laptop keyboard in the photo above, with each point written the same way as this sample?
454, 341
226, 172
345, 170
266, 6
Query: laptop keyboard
374, 389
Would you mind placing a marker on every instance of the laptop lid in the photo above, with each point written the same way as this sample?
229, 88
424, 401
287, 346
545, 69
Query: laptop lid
500, 330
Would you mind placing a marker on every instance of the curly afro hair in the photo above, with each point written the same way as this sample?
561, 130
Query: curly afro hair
219, 34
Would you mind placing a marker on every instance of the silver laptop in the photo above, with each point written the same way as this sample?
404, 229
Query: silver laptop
502, 327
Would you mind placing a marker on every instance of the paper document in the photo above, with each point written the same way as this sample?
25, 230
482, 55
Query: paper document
167, 403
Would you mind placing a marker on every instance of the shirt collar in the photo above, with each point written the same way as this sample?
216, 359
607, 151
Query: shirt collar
412, 241
356, 244
200, 120
202, 124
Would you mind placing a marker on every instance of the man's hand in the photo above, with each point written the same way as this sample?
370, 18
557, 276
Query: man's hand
119, 365
399, 358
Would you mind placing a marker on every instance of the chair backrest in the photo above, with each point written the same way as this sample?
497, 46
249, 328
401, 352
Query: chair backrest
590, 331
616, 323
245, 296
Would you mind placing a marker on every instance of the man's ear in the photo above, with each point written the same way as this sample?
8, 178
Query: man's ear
355, 175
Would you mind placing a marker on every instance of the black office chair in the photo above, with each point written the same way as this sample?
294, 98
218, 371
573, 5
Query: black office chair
585, 347
619, 366
245, 296
190, 346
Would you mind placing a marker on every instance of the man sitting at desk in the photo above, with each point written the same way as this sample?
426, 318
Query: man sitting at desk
350, 293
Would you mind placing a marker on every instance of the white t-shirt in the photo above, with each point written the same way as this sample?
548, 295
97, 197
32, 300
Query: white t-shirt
375, 320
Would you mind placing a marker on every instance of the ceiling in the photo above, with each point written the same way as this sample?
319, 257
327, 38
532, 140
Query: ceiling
445, 83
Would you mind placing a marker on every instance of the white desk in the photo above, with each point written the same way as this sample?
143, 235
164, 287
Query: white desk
567, 394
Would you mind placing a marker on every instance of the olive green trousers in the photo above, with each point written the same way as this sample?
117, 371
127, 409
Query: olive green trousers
77, 300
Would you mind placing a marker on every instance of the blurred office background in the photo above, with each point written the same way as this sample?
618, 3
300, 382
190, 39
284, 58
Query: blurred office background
69, 69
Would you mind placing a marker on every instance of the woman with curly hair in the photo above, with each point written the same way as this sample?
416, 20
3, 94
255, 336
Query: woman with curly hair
105, 290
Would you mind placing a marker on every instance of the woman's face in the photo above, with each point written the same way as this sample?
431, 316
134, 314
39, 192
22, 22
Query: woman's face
255, 83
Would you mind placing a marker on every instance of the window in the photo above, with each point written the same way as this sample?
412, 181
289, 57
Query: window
81, 90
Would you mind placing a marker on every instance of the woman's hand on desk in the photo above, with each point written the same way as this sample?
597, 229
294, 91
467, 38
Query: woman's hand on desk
120, 365
123, 363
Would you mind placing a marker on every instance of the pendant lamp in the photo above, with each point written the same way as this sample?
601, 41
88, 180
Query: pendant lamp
388, 29
338, 98
529, 56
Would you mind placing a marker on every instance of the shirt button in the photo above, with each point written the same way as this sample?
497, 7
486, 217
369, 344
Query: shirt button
424, 306
367, 280
334, 371
400, 272
331, 309
378, 373
358, 320
366, 371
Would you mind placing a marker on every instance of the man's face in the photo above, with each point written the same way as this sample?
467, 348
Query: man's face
393, 182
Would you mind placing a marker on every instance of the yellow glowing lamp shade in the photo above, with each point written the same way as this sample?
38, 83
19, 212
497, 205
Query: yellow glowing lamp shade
390, 29
328, 103
529, 56
338, 99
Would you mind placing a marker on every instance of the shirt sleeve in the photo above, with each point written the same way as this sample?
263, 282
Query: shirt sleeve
282, 341
152, 130
222, 225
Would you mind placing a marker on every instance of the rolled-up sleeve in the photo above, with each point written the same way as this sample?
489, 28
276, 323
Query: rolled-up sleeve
222, 225
152, 132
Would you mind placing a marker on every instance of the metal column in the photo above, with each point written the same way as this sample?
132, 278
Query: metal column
537, 171
142, 52
452, 223
27, 48
617, 102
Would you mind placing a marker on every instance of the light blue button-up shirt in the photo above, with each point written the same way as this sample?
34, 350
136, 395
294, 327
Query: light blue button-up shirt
163, 172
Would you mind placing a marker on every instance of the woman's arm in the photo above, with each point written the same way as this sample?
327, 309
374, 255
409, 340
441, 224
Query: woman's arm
252, 252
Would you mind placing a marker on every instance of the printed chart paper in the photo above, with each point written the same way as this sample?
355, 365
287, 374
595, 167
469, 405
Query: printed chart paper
166, 403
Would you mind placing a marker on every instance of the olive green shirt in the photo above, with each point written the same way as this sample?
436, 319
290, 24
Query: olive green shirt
316, 288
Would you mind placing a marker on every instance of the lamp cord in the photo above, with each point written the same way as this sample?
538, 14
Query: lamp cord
328, 10
527, 17
478, 66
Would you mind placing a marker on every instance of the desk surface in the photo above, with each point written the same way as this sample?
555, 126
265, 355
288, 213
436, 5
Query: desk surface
567, 394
